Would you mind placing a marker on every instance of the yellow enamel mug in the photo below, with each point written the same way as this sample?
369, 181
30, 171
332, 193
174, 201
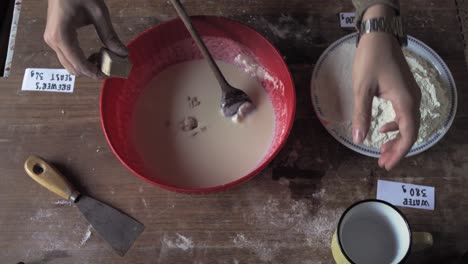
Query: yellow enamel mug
375, 232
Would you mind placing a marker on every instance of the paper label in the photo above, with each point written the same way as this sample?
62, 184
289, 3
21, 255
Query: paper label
347, 19
48, 80
406, 195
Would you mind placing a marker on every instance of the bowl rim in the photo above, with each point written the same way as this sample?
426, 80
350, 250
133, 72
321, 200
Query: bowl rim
263, 164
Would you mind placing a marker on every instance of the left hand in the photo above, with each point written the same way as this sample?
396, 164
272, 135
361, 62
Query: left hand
380, 69
64, 18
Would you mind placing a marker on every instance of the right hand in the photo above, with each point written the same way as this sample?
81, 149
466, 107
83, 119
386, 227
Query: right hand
64, 18
380, 69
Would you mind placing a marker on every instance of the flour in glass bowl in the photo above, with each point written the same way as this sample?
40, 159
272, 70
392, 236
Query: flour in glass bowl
434, 103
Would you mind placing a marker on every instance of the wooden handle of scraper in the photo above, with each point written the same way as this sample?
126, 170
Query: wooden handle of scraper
47, 176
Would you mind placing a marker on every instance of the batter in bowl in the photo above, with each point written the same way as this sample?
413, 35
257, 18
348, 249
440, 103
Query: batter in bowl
182, 135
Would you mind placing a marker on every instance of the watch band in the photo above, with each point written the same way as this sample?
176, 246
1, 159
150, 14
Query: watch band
391, 25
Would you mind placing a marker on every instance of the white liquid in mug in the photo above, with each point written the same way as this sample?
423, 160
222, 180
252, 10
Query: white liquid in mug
373, 233
182, 135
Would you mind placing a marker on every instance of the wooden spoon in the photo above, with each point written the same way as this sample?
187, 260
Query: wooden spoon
233, 101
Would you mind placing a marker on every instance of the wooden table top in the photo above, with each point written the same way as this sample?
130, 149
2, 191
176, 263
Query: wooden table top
286, 214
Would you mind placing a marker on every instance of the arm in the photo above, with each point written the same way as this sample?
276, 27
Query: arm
380, 69
64, 18
362, 5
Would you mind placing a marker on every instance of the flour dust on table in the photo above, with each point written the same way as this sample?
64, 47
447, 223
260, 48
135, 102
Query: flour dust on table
182, 135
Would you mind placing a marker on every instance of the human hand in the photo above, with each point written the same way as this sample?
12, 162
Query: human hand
380, 69
64, 18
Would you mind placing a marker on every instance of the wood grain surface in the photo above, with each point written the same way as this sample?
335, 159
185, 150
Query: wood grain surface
284, 215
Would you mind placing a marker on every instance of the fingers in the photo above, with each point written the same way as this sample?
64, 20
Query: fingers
407, 122
68, 66
395, 150
102, 22
75, 55
389, 127
63, 18
362, 113
386, 151
70, 54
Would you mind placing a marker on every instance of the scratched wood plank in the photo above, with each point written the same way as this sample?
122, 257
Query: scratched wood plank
462, 7
285, 215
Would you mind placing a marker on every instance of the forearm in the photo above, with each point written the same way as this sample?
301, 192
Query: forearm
362, 5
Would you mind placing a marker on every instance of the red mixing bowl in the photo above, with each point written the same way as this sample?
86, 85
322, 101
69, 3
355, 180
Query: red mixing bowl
149, 55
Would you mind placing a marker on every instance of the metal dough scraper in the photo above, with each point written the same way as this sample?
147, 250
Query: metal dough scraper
118, 229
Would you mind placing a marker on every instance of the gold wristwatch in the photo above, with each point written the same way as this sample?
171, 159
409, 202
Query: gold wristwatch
391, 25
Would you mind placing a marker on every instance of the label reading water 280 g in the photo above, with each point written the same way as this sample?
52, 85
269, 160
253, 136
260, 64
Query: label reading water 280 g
406, 195
48, 80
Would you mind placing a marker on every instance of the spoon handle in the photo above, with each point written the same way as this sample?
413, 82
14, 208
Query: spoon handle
201, 45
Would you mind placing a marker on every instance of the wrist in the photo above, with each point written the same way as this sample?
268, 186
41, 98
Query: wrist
382, 18
379, 10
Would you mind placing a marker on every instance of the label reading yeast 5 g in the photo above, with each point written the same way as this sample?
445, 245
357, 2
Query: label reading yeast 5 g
48, 80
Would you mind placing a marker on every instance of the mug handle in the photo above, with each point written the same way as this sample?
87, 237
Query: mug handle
422, 240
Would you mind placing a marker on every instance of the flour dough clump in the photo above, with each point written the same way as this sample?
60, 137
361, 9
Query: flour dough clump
434, 104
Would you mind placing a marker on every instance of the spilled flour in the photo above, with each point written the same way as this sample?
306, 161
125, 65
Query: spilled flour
284, 224
264, 252
63, 202
53, 232
43, 215
47, 242
145, 203
273, 213
180, 242
86, 236
314, 231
